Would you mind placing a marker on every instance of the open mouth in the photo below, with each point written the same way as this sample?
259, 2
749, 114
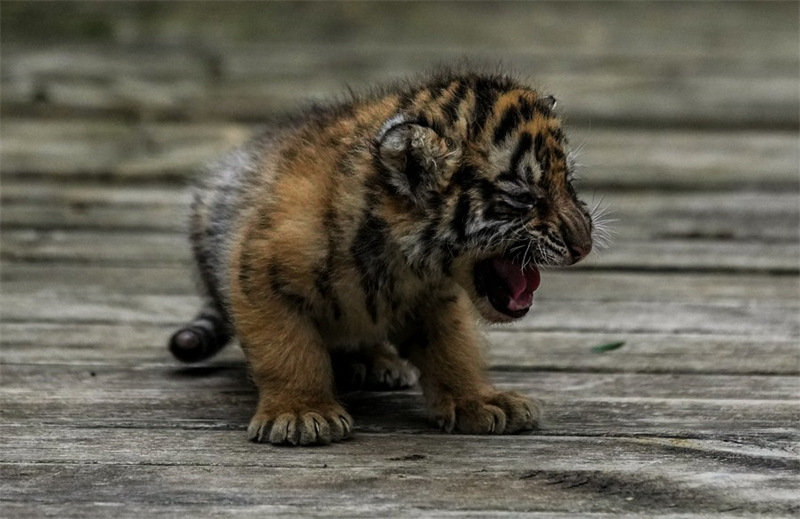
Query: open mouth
507, 285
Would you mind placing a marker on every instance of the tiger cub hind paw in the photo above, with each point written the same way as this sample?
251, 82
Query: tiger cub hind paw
502, 412
375, 372
321, 426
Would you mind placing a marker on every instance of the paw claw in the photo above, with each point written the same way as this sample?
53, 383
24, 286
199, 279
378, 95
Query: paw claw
497, 413
300, 428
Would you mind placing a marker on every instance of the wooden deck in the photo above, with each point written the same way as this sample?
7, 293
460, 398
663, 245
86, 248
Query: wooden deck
688, 115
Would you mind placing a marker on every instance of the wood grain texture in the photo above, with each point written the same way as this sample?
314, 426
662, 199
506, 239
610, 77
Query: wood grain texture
120, 343
687, 117
765, 320
642, 158
566, 284
759, 408
648, 214
132, 249
416, 473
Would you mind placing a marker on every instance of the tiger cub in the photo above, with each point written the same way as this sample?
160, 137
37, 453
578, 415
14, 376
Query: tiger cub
376, 233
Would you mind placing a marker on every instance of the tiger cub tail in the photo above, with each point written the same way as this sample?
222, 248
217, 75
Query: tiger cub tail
202, 337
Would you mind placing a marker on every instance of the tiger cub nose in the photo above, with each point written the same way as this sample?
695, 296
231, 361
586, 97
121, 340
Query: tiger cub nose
580, 251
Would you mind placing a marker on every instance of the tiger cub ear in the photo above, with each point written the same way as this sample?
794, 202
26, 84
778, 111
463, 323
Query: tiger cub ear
546, 104
417, 159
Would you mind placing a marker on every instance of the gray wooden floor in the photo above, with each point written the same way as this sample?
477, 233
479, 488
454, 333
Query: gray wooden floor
688, 118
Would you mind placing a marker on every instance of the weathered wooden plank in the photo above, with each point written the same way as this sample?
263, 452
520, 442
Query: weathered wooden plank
647, 352
108, 149
54, 383
151, 249
93, 247
27, 277
656, 30
709, 256
642, 158
773, 320
724, 215
508, 350
600, 98
575, 403
178, 451
78, 216
418, 474
93, 194
568, 284
241, 81
681, 30
691, 159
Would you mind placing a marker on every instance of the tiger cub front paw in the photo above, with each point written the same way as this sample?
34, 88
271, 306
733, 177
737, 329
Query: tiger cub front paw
501, 412
314, 425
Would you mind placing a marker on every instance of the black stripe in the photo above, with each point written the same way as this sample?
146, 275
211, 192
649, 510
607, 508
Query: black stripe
428, 121
280, 287
323, 284
566, 234
429, 244
450, 108
465, 177
380, 180
542, 155
429, 235
510, 120
526, 109
439, 91
369, 253
414, 171
448, 254
461, 216
485, 97
323, 280
523, 146
343, 165
539, 148
508, 176
407, 99
486, 189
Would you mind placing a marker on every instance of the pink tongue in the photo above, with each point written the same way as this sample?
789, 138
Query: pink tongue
520, 283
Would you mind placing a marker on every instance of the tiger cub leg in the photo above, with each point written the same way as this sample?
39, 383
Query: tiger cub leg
292, 370
376, 366
453, 377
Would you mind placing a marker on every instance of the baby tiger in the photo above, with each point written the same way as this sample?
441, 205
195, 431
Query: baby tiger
377, 232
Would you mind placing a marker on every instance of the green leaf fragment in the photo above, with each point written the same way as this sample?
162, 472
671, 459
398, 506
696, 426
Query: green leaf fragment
602, 348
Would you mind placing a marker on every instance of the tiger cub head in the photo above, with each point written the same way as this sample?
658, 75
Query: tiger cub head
481, 164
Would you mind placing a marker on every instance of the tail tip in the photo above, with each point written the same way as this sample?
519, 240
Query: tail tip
188, 345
